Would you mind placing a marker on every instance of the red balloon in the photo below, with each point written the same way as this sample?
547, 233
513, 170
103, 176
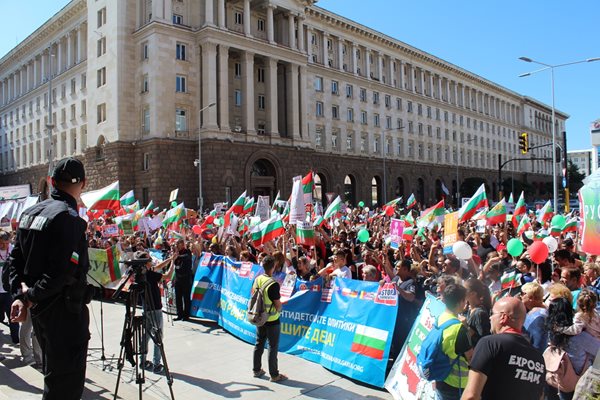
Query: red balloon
197, 230
538, 252
210, 219
389, 211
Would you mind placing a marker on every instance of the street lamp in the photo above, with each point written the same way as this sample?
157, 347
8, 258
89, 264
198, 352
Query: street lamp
551, 68
383, 151
198, 162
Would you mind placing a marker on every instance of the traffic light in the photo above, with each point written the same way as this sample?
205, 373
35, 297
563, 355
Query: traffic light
524, 143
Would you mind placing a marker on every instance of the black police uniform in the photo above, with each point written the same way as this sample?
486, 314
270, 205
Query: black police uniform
51, 257
183, 284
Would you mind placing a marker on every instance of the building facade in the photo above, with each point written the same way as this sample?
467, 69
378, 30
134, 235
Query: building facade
595, 134
582, 159
254, 92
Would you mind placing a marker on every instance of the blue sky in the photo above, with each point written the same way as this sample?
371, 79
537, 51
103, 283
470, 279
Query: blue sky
484, 37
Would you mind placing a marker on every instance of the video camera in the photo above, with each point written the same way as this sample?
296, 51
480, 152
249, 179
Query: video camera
137, 269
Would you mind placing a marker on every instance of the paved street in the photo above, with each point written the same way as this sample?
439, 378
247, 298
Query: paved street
206, 363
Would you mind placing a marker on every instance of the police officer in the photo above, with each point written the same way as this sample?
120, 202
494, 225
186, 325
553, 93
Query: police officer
47, 271
183, 280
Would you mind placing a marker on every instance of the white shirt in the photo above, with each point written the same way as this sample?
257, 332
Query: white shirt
342, 272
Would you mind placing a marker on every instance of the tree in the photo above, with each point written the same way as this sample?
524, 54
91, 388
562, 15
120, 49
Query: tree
575, 178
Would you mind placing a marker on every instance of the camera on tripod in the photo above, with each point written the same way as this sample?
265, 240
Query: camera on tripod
137, 269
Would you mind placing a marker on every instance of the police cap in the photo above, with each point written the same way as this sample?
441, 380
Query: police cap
69, 170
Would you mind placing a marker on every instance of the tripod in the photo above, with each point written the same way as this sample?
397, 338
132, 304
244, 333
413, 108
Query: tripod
135, 329
103, 358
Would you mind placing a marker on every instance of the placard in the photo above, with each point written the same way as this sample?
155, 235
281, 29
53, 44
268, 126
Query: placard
450, 231
396, 231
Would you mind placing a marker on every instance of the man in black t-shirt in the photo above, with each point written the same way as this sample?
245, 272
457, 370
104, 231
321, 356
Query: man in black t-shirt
183, 280
505, 365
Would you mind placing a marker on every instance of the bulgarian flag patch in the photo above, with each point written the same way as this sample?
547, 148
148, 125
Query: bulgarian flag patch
369, 341
75, 258
200, 290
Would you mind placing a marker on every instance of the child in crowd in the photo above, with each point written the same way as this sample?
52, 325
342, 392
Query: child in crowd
587, 318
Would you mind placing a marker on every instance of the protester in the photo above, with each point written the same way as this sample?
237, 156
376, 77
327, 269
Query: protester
586, 318
480, 305
183, 280
532, 296
5, 297
271, 329
570, 277
48, 267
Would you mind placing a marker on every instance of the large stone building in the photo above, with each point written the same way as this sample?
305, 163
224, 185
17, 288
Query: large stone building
273, 89
582, 160
595, 134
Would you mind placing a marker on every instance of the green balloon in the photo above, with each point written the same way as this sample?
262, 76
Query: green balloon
361, 203
514, 247
213, 213
173, 204
559, 221
363, 235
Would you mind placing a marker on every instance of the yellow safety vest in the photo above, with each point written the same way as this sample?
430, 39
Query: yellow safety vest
258, 284
460, 370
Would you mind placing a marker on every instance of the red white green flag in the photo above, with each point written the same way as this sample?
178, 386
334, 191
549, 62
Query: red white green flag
511, 200
555, 230
478, 200
545, 213
248, 205
510, 280
409, 220
431, 213
174, 215
268, 230
520, 210
149, 208
408, 233
308, 185
199, 290
106, 198
571, 225
333, 208
394, 202
114, 268
411, 202
238, 206
128, 198
497, 214
305, 234
524, 225
369, 341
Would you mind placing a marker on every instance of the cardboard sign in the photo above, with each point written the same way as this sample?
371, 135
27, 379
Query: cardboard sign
110, 230
396, 231
173, 195
450, 231
263, 210
127, 225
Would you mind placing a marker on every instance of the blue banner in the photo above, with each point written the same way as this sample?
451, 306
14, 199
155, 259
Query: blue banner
345, 326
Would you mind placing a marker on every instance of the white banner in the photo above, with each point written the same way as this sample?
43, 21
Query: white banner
297, 207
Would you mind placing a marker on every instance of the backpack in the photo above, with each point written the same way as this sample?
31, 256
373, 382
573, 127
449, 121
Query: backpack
433, 363
559, 370
257, 313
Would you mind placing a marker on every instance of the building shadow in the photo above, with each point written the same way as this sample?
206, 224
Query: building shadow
217, 388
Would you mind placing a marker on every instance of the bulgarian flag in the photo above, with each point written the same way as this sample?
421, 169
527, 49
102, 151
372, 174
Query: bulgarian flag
267, 231
106, 198
174, 215
430, 214
394, 202
409, 220
545, 213
510, 279
238, 206
305, 234
277, 198
520, 209
128, 198
571, 225
112, 259
555, 230
319, 220
199, 290
248, 205
333, 208
408, 233
127, 217
511, 200
149, 208
131, 208
308, 184
497, 214
524, 225
369, 341
478, 200
411, 202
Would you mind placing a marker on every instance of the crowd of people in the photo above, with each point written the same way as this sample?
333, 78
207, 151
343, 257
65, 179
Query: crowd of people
548, 305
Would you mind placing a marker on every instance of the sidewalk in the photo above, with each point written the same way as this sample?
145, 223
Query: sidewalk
206, 363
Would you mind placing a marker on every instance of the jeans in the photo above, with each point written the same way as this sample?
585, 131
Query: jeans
447, 392
28, 343
5, 304
154, 329
264, 333
565, 396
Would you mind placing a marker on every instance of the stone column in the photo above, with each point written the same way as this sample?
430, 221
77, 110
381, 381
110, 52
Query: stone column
248, 92
208, 13
301, 43
35, 72
411, 78
401, 74
224, 88
303, 103
272, 101
292, 101
476, 102
368, 63
25, 74
354, 59
455, 93
15, 85
292, 31
430, 84
69, 52
247, 18
43, 72
340, 54
209, 84
158, 7
221, 14
439, 87
325, 50
462, 95
379, 67
3, 99
270, 24
390, 70
59, 61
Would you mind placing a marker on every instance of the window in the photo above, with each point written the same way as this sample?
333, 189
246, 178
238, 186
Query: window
261, 128
177, 19
63, 94
101, 17
146, 167
388, 122
145, 83
349, 142
180, 120
363, 94
101, 113
145, 51
261, 101
375, 97
363, 117
318, 83
410, 127
409, 107
146, 120
73, 86
238, 18
83, 81
180, 84
83, 108
349, 91
101, 76
350, 115
260, 25
399, 103
319, 109
180, 51
101, 46
388, 101
419, 109
334, 87
428, 112
72, 112
335, 112
260, 75
376, 119
237, 70
420, 128
237, 95
399, 124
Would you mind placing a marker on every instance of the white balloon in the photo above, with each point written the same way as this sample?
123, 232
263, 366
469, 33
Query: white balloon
462, 250
551, 243
367, 209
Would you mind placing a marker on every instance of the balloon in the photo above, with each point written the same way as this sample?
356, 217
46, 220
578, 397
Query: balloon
197, 230
514, 247
462, 250
538, 252
213, 213
551, 243
367, 209
389, 211
218, 221
173, 204
363, 235
559, 221
210, 219
214, 240
361, 203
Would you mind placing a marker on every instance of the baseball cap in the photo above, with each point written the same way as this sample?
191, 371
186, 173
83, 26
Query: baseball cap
501, 247
69, 170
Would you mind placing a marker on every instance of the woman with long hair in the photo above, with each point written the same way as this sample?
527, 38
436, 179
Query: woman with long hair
480, 305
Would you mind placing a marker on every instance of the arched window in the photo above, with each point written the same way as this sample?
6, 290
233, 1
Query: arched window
350, 189
100, 148
375, 191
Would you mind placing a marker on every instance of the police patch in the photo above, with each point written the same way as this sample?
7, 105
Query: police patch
38, 223
25, 221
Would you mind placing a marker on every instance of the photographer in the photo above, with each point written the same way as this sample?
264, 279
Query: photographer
152, 306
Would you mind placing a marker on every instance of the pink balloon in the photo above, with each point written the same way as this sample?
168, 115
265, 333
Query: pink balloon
538, 252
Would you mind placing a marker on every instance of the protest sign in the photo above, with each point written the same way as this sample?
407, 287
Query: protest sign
110, 230
450, 231
396, 231
173, 195
263, 210
127, 226
297, 206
